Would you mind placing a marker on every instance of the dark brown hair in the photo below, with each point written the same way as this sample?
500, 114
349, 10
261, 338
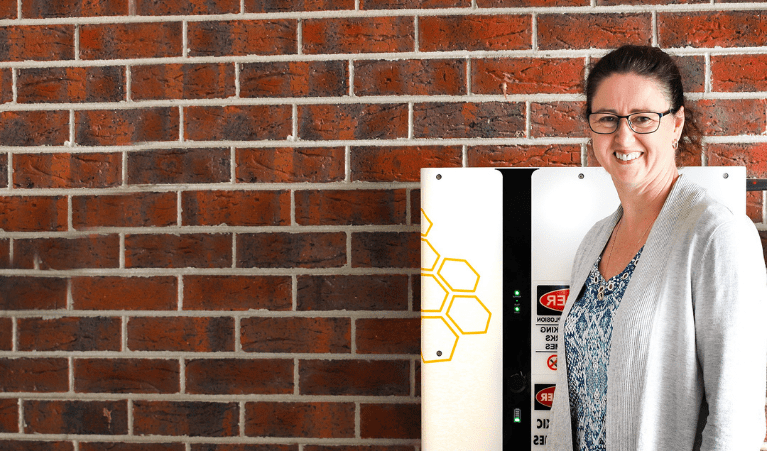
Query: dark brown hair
654, 63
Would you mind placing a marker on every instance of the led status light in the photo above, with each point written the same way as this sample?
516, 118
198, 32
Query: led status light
516, 293
517, 309
517, 416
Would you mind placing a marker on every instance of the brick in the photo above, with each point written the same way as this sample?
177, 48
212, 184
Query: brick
396, 421
297, 335
409, 77
9, 415
475, 32
130, 40
299, 419
5, 253
356, 293
527, 75
4, 170
352, 121
179, 166
192, 250
400, 164
647, 2
416, 282
42, 9
34, 128
224, 447
237, 123
752, 155
69, 334
190, 418
358, 35
125, 293
239, 376
738, 73
354, 377
273, 6
386, 250
37, 43
565, 31
76, 417
754, 206
294, 79
238, 292
32, 293
693, 71
529, 3
71, 84
113, 446
126, 376
712, 29
291, 250
235, 208
717, 117
33, 213
121, 127
28, 445
34, 375
182, 81
6, 85
413, 4
124, 210
388, 336
181, 334
242, 37
524, 155
67, 170
469, 120
6, 334
8, 9
290, 165
186, 7
558, 119
350, 207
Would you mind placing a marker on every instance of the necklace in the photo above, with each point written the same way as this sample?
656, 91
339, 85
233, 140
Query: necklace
605, 285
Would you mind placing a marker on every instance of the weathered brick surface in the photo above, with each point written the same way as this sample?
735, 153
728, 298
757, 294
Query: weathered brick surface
34, 128
237, 292
304, 419
475, 32
235, 208
239, 376
285, 165
27, 445
179, 7
214, 334
6, 85
69, 334
343, 292
6, 334
9, 415
739, 73
358, 35
270, 6
37, 42
35, 375
76, 417
129, 210
409, 77
352, 121
354, 377
561, 31
237, 123
295, 79
125, 293
469, 120
120, 127
526, 75
413, 4
400, 421
291, 250
711, 29
33, 213
359, 207
181, 166
72, 84
386, 249
126, 376
558, 119
182, 81
67, 170
504, 156
189, 418
388, 336
193, 250
144, 446
42, 9
130, 40
32, 293
8, 9
752, 156
731, 117
242, 37
302, 335
400, 164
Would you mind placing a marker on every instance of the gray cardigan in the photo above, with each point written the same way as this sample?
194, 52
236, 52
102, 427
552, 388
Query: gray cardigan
689, 344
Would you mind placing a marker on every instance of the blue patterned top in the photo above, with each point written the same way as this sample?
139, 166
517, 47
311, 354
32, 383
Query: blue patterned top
587, 332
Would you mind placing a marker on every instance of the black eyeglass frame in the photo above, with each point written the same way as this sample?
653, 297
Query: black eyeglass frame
660, 117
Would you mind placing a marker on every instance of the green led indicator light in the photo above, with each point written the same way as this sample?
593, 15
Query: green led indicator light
516, 309
516, 292
517, 415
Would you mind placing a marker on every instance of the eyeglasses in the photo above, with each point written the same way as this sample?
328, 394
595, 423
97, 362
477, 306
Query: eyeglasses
642, 123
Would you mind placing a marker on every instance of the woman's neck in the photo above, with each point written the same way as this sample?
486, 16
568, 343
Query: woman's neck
641, 205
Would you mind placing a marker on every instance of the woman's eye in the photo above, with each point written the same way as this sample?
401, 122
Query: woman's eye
641, 119
607, 120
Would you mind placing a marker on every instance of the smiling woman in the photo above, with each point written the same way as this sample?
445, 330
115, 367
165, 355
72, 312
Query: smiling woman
662, 345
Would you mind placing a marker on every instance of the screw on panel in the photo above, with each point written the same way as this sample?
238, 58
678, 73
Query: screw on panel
439, 176
439, 353
726, 175
581, 176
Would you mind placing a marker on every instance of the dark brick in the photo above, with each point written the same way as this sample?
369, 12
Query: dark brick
359, 448
236, 208
273, 6
753, 156
96, 251
410, 77
469, 120
566, 31
400, 164
34, 375
239, 376
193, 419
9, 416
529, 3
291, 250
124, 210
711, 29
76, 417
558, 119
527, 76
242, 37
8, 9
69, 334
182, 81
386, 250
126, 376
237, 292
524, 155
355, 293
413, 4
358, 35
67, 170
37, 43
354, 377
6, 335
34, 128
287, 165
350, 207
71, 84
114, 446
6, 85
121, 127
28, 445
181, 334
192, 250
225, 447
304, 419
294, 79
388, 336
186, 7
44, 9
717, 117
393, 421
33, 213
130, 40
352, 121
169, 166
237, 123
32, 293
475, 32
125, 293
298, 335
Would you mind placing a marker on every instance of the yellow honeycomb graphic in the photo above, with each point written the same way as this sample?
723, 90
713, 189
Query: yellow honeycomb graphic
444, 279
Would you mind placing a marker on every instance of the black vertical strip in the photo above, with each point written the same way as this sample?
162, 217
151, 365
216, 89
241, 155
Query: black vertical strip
517, 312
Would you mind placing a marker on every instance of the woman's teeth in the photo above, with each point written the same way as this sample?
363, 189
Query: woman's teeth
627, 156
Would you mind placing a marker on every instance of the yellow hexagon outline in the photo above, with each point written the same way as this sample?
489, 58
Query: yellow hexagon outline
427, 220
439, 271
489, 315
455, 345
435, 253
447, 293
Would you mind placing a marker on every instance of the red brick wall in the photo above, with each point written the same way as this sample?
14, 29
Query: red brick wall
209, 209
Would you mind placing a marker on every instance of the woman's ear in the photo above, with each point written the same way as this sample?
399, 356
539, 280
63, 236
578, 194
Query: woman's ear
679, 121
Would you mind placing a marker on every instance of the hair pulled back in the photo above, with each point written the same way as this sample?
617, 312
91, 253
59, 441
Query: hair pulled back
656, 64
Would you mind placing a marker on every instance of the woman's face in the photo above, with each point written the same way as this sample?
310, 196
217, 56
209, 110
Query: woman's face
634, 160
